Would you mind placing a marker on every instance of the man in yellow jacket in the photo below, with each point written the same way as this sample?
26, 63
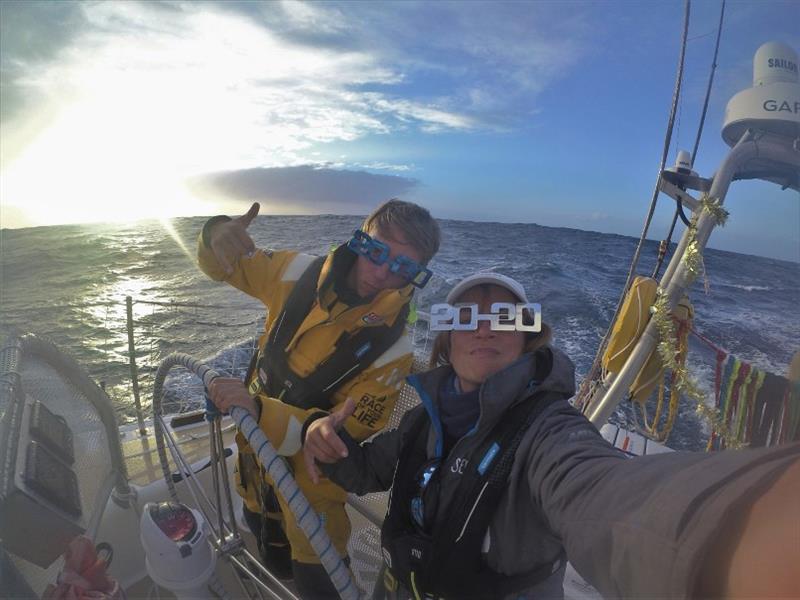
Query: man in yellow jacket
335, 330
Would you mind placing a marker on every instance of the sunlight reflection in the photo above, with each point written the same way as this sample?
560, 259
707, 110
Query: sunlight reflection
107, 304
170, 229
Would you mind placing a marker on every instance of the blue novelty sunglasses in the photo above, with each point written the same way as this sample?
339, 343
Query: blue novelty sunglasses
378, 253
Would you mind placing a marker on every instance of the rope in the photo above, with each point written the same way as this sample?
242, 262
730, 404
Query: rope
751, 400
723, 362
742, 383
193, 305
710, 83
674, 397
664, 245
740, 399
732, 383
635, 261
791, 413
678, 207
707, 341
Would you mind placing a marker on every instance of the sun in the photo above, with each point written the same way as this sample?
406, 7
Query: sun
95, 163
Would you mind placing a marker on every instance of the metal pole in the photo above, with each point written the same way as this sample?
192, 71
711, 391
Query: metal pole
681, 248
215, 457
675, 280
134, 370
223, 468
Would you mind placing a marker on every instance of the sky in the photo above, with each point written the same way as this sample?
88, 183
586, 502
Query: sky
544, 112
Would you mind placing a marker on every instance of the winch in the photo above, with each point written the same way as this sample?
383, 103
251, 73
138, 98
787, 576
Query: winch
178, 554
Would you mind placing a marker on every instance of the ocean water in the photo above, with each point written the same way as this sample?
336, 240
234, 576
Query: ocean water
69, 283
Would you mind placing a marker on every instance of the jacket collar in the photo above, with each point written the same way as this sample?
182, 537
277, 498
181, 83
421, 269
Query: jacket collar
547, 369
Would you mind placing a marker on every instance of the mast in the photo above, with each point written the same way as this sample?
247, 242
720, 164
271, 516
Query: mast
762, 124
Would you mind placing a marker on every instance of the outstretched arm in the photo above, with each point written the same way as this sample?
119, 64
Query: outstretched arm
758, 557
281, 423
679, 524
226, 252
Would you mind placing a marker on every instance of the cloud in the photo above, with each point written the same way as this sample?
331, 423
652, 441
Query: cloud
438, 66
305, 188
486, 61
381, 166
140, 96
31, 34
173, 77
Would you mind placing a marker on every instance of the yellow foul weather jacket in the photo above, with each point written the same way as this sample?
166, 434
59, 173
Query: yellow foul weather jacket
270, 276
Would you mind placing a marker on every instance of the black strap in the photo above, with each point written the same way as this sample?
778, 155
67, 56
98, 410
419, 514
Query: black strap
297, 305
352, 354
251, 368
457, 540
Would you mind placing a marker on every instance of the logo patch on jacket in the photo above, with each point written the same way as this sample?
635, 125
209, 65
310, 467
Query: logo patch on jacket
370, 409
372, 318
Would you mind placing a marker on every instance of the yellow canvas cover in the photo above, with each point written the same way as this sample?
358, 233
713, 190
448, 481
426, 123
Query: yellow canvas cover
631, 322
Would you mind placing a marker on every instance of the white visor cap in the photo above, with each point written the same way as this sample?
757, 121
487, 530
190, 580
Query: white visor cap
512, 285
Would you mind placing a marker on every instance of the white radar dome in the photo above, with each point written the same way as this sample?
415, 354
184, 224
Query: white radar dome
773, 103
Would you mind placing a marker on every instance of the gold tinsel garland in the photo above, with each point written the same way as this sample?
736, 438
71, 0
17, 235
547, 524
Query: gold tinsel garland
692, 256
714, 208
668, 344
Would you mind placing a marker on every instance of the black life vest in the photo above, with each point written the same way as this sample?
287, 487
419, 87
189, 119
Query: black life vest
353, 353
446, 562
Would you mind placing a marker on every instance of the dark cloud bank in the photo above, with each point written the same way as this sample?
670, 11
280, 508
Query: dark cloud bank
312, 188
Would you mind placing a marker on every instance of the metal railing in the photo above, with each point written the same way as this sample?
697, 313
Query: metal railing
250, 328
138, 334
146, 344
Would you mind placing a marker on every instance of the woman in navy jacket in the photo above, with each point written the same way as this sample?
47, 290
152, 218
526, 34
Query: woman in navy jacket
496, 478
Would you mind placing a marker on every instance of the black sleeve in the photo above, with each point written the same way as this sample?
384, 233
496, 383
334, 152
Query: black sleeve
369, 467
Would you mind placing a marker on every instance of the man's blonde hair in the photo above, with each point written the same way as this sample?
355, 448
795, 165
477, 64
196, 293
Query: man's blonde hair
411, 220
